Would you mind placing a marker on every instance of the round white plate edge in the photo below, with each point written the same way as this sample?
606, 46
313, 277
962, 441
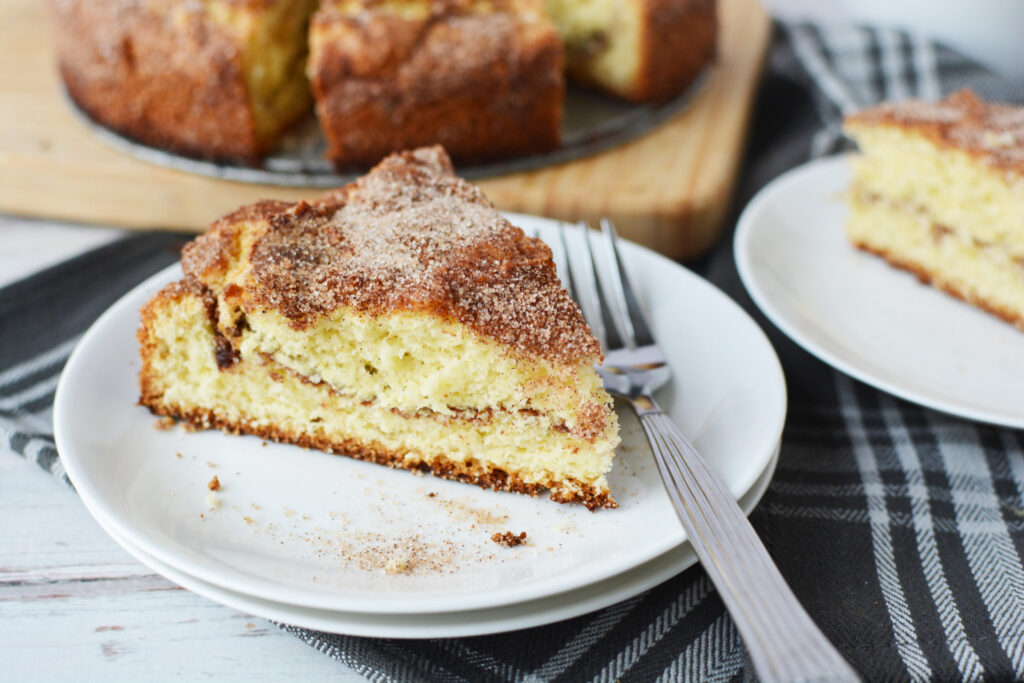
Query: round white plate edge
747, 224
97, 509
516, 616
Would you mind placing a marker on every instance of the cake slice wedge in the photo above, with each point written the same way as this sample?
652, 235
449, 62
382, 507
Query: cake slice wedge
640, 50
939, 190
400, 320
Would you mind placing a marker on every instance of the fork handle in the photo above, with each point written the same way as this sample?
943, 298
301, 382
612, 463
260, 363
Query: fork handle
784, 644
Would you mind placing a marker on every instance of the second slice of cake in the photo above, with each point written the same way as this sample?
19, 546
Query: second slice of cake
939, 191
400, 320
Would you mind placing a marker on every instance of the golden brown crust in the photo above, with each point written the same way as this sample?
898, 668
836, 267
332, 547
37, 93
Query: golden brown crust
163, 74
682, 37
407, 236
937, 279
570, 491
679, 38
992, 133
482, 84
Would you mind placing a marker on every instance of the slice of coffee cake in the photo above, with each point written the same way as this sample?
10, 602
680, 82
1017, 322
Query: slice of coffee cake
400, 320
939, 191
641, 50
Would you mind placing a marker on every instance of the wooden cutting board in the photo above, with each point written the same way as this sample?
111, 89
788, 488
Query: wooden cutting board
668, 189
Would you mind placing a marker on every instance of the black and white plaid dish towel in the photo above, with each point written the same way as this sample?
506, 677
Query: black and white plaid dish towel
899, 528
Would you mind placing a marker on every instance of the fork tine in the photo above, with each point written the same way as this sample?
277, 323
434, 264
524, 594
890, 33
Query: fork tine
560, 253
610, 329
582, 291
614, 302
637, 329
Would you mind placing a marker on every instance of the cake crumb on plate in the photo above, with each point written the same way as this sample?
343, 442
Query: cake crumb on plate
509, 539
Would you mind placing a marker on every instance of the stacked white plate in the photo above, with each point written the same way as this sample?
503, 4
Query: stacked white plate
330, 543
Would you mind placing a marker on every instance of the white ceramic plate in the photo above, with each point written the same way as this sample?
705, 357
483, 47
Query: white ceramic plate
867, 319
548, 610
309, 529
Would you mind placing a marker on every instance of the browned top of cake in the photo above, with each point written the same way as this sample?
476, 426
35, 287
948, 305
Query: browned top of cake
431, 41
409, 235
484, 78
992, 132
360, 12
374, 38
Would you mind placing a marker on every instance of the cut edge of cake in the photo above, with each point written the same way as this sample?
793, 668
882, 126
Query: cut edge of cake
639, 50
938, 190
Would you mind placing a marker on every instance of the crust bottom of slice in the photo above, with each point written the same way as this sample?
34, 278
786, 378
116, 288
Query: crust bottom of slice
983, 275
472, 472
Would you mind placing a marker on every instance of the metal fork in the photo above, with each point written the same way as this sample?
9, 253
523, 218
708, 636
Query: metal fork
783, 642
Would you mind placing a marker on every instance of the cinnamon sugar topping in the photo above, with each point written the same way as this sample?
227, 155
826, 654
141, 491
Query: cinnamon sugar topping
409, 235
992, 132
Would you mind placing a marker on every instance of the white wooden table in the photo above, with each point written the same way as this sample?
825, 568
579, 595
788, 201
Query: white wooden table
75, 606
